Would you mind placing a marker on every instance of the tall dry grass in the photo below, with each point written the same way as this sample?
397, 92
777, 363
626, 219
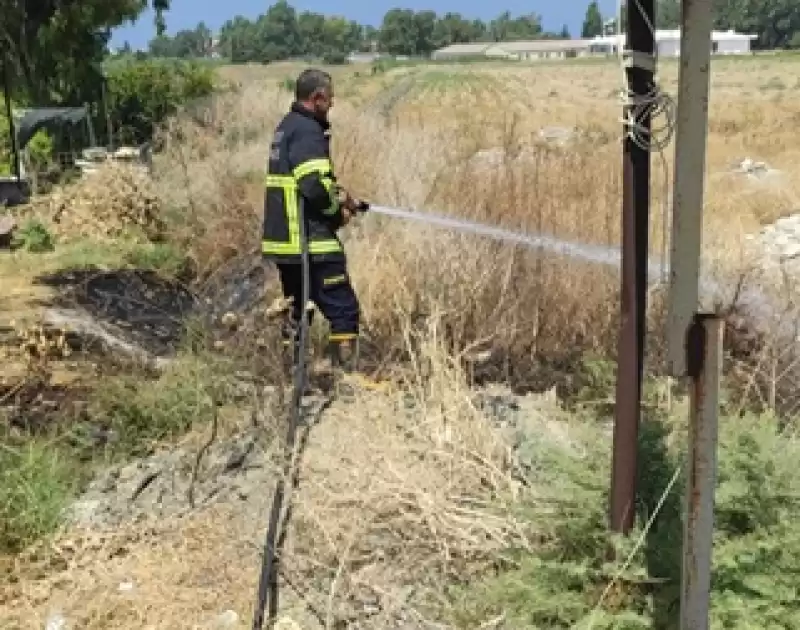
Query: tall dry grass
466, 141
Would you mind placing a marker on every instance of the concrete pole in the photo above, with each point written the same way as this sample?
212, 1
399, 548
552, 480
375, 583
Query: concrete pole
689, 169
704, 363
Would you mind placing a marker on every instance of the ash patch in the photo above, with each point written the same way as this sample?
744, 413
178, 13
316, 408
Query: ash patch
170, 483
148, 309
239, 286
162, 484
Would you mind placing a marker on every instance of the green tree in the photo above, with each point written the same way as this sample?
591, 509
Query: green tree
239, 40
141, 94
425, 27
775, 22
505, 28
668, 14
311, 29
186, 44
452, 28
340, 37
278, 32
593, 22
54, 47
398, 33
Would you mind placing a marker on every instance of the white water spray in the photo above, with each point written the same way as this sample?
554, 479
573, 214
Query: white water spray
596, 254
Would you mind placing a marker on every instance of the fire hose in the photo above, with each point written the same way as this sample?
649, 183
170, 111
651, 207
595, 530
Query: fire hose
267, 598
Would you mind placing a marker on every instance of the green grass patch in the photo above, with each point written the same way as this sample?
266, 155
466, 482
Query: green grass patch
164, 258
138, 414
37, 481
41, 475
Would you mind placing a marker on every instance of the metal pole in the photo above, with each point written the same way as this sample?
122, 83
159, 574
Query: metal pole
109, 126
704, 363
635, 220
689, 169
12, 129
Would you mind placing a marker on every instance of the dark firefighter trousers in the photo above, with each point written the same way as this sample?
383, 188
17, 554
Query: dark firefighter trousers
330, 289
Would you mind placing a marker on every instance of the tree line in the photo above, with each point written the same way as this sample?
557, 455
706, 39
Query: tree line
56, 51
283, 33
776, 23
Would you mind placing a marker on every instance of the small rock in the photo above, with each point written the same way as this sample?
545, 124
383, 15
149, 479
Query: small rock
125, 587
7, 227
792, 250
226, 619
558, 135
56, 621
230, 320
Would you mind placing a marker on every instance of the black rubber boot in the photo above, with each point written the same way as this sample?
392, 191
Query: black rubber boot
344, 355
344, 360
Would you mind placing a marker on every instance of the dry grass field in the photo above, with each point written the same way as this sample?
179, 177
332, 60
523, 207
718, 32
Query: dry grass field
467, 140
402, 510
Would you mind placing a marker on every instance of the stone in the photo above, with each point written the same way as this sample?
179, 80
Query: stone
226, 619
558, 135
56, 621
7, 227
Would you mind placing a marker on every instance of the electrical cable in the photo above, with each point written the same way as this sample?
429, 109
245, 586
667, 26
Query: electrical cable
268, 588
655, 105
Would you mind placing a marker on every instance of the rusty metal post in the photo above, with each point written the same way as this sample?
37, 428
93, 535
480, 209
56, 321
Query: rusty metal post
704, 363
635, 227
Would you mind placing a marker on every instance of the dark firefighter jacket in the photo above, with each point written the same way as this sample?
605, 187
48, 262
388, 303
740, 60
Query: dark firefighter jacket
300, 168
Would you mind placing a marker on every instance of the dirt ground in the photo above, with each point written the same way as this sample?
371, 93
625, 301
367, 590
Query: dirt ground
136, 554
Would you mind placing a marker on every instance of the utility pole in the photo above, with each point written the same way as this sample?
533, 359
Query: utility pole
640, 69
695, 340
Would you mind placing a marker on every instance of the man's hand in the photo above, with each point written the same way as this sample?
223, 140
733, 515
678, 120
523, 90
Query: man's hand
346, 201
348, 205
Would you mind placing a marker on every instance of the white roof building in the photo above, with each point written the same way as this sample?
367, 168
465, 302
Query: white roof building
667, 42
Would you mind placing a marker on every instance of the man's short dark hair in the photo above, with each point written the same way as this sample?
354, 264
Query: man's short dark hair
310, 81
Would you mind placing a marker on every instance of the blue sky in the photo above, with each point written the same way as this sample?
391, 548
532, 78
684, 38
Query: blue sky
187, 13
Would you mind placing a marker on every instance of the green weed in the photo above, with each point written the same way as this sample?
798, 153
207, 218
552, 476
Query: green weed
37, 481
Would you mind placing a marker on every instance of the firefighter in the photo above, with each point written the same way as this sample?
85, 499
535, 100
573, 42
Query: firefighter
301, 172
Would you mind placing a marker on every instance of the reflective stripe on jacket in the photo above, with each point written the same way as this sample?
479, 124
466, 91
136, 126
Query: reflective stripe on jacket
300, 167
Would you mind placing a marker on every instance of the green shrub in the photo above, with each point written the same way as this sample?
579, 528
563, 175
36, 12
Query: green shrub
756, 548
334, 58
34, 237
165, 258
142, 93
36, 484
40, 149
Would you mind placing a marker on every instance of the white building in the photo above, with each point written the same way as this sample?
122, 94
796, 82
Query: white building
519, 50
461, 51
668, 43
